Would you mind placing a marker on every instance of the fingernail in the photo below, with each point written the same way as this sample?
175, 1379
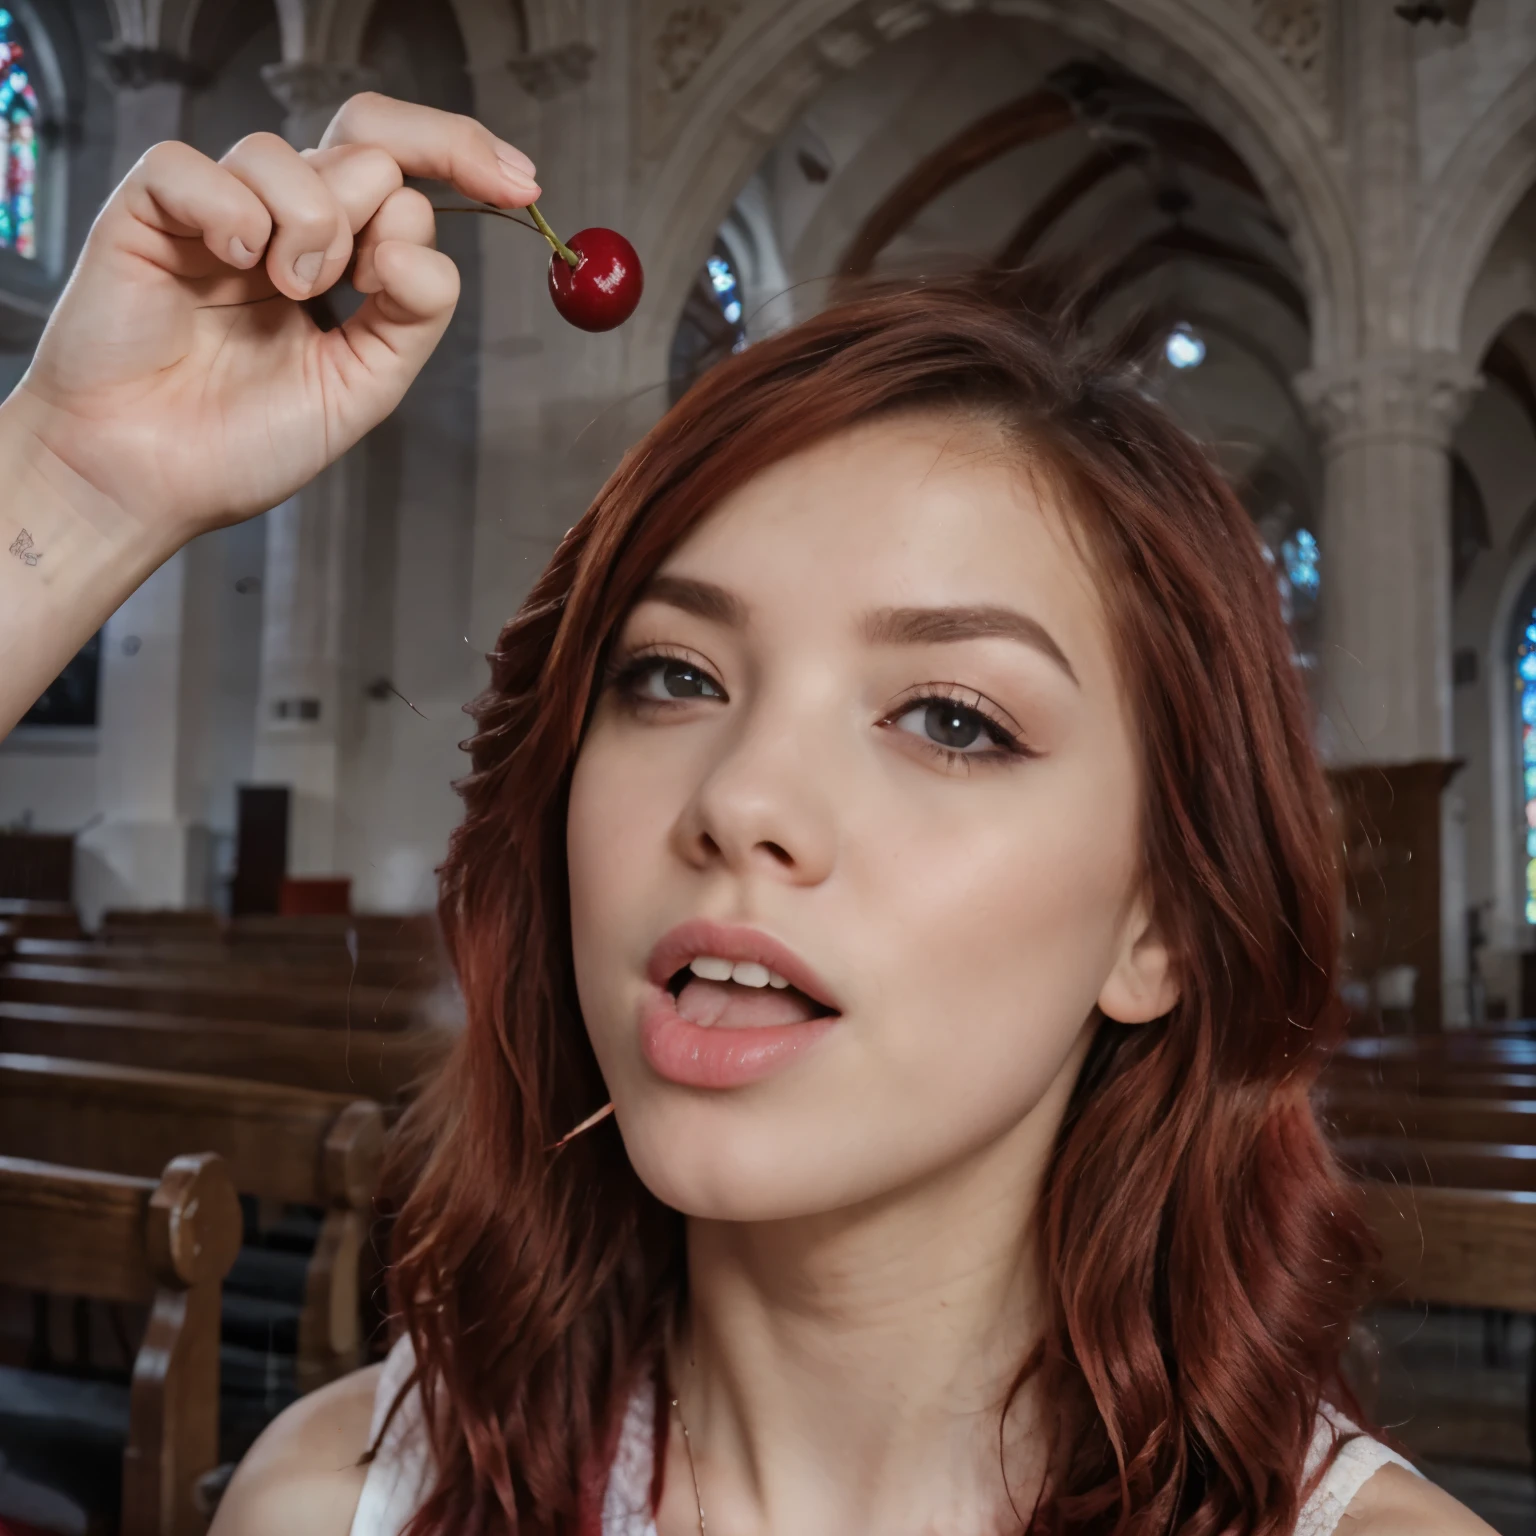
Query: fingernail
240, 253
307, 267
515, 160
519, 178
522, 189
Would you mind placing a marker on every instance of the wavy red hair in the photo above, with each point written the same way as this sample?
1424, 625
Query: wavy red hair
1202, 1249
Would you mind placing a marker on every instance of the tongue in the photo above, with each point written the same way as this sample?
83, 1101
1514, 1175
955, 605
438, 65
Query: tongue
730, 1006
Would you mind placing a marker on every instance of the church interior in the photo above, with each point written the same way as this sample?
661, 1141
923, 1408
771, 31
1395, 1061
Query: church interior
219, 827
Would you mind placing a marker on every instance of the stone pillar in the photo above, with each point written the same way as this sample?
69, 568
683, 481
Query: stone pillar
556, 409
152, 86
308, 699
1386, 422
1385, 410
150, 845
311, 92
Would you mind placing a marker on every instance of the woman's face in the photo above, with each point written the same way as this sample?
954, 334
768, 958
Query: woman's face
863, 733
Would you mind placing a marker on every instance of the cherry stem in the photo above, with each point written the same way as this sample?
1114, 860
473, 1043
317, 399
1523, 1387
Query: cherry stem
499, 213
560, 248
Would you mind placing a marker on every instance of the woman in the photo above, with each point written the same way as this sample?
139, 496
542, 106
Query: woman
897, 800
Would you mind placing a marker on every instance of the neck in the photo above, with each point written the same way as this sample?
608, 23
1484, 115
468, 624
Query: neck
848, 1371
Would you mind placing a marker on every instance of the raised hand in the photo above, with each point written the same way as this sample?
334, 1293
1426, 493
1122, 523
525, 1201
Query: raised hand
180, 384
179, 373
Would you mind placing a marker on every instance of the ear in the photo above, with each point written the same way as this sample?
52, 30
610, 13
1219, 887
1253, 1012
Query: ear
1141, 985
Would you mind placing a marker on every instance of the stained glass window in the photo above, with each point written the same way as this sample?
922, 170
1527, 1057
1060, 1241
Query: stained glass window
712, 325
1298, 575
1184, 348
726, 288
1525, 702
19, 113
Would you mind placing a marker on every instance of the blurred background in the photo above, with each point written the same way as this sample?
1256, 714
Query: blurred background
218, 828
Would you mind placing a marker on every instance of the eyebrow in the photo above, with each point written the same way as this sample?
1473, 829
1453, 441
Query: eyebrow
943, 626
885, 626
703, 599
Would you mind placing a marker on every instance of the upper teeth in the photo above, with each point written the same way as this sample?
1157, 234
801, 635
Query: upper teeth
748, 973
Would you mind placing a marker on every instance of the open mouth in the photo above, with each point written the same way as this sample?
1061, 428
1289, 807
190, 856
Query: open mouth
712, 992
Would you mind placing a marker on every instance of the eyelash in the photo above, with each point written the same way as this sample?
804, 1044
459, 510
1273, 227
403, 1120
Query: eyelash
624, 674
1007, 745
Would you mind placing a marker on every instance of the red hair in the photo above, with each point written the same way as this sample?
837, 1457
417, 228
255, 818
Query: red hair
1201, 1246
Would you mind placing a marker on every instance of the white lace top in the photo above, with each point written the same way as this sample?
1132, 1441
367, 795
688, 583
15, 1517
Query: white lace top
397, 1476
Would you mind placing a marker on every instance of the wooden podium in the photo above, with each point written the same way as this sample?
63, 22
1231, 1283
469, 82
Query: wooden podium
1389, 819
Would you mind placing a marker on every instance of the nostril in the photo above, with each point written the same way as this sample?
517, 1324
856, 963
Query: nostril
778, 851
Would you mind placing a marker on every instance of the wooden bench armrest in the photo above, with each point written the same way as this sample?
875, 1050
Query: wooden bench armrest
354, 1156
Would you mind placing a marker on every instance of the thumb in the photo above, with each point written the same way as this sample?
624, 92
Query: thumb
384, 345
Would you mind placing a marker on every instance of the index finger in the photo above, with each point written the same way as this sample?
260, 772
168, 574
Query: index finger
444, 146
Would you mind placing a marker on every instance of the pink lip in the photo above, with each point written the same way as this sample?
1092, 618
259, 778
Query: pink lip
685, 1053
729, 941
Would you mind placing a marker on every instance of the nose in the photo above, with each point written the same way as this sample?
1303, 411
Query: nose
764, 803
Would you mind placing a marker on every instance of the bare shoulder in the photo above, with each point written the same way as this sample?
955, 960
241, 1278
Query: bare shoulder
302, 1477
1393, 1502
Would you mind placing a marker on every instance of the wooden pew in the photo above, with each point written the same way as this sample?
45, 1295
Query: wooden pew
281, 1144
1443, 1051
1463, 1082
415, 930
1455, 1247
137, 925
324, 1004
1440, 1164
305, 964
360, 1063
165, 1244
1421, 1117
41, 919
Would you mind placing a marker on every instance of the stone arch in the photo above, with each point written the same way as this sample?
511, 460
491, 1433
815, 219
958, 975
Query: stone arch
327, 31
749, 95
490, 32
1480, 187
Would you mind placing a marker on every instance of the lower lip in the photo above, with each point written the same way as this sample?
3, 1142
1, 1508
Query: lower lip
719, 1057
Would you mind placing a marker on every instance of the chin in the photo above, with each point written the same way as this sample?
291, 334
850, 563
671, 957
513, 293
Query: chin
717, 1161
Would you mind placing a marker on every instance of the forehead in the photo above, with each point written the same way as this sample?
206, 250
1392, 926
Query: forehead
920, 509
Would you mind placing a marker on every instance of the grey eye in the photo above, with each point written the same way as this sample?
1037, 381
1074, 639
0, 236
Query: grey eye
955, 727
668, 678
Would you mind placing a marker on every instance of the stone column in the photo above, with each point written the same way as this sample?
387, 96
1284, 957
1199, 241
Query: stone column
1386, 424
1385, 410
308, 699
152, 86
311, 92
1386, 421
150, 845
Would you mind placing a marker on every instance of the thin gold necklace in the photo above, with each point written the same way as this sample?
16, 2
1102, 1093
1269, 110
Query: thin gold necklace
693, 1471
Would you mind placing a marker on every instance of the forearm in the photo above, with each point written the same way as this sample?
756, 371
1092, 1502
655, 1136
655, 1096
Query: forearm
69, 556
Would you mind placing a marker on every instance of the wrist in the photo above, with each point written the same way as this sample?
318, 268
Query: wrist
82, 530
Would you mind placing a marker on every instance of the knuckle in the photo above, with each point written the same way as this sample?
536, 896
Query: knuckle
378, 162
411, 206
355, 107
262, 144
168, 154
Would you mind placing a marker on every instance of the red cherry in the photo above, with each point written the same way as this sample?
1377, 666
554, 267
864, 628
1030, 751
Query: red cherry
602, 290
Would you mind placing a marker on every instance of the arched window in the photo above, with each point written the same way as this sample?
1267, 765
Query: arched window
712, 325
19, 113
1525, 734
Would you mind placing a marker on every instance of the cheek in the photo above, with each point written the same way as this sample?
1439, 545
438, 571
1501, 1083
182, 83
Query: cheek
602, 857
617, 824
1018, 902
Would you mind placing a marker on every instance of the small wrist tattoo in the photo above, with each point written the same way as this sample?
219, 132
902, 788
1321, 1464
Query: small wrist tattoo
21, 547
